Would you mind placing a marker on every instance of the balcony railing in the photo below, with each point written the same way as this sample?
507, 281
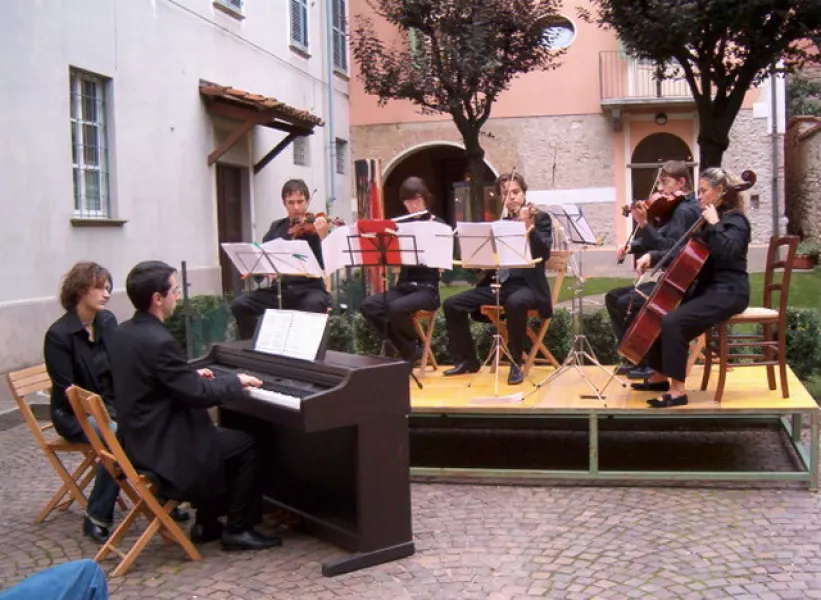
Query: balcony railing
622, 78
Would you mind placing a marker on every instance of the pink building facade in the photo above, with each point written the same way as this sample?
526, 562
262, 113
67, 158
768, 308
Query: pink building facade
590, 132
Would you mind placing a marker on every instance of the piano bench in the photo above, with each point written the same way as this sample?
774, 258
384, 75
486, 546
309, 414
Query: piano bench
425, 333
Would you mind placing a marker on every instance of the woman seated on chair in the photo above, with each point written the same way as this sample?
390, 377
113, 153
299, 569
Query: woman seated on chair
76, 353
722, 289
417, 288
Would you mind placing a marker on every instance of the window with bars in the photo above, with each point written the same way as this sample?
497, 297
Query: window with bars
299, 23
301, 157
418, 45
341, 155
236, 7
89, 144
340, 40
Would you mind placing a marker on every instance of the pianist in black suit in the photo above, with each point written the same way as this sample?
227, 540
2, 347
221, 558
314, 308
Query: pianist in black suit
298, 293
164, 424
417, 287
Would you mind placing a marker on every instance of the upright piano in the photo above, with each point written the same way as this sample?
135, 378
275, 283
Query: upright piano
334, 435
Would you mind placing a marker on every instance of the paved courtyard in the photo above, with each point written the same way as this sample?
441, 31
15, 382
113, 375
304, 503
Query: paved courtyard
473, 542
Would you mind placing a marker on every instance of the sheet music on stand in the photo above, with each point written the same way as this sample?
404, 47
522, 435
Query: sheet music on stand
276, 257
292, 333
571, 218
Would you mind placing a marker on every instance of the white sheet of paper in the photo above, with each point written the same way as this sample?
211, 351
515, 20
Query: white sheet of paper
434, 241
248, 258
336, 249
572, 221
292, 257
291, 333
512, 244
475, 246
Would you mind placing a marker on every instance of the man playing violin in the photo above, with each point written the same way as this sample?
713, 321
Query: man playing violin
522, 289
721, 290
624, 303
417, 287
298, 293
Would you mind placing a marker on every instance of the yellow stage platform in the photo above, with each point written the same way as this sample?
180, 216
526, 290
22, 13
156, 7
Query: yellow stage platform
746, 394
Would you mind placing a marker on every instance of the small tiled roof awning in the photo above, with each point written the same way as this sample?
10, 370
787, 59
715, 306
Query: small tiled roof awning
254, 109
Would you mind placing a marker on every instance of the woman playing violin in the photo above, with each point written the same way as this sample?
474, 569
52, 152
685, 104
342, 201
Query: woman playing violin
624, 303
722, 289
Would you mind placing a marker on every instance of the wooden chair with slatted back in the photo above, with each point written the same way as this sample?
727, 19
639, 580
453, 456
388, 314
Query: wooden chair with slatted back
539, 354
33, 380
771, 318
140, 487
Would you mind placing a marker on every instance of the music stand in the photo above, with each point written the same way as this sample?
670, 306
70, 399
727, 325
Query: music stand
571, 220
495, 246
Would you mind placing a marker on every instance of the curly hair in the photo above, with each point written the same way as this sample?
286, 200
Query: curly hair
82, 277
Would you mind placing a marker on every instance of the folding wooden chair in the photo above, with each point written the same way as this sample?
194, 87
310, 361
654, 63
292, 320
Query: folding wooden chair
36, 379
141, 488
426, 337
539, 354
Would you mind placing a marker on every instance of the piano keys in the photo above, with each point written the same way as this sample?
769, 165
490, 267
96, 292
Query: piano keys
334, 439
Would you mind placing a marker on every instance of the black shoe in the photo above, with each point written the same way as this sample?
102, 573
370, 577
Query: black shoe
248, 540
98, 533
180, 515
516, 376
640, 373
466, 366
667, 401
202, 533
624, 369
655, 386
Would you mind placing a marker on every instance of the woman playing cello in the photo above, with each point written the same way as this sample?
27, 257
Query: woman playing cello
721, 291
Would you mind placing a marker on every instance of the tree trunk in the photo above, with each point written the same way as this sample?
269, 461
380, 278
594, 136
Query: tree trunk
713, 140
476, 164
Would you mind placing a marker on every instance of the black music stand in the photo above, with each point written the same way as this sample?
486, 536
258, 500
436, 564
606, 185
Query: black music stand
495, 251
571, 220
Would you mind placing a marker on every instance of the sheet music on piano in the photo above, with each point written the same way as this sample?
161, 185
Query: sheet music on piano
292, 333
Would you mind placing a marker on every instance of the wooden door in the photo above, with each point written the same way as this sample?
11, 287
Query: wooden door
229, 220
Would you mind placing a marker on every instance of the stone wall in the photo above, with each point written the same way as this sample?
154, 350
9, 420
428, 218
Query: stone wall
803, 182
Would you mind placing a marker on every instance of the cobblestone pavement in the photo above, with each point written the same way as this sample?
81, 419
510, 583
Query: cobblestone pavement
489, 542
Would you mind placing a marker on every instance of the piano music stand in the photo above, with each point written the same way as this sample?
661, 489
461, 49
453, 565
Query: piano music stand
487, 256
378, 246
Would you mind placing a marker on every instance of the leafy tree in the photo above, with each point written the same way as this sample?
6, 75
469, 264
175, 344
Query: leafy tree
455, 57
722, 47
803, 96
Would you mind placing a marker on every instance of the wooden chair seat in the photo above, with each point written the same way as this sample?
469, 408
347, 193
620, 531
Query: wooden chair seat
425, 334
771, 343
36, 379
140, 487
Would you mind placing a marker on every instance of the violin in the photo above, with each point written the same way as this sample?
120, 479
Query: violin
305, 224
660, 206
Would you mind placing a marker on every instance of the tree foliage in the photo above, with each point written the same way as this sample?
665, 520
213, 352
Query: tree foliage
454, 57
721, 47
803, 96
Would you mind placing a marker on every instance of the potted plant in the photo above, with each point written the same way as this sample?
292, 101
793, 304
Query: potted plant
806, 254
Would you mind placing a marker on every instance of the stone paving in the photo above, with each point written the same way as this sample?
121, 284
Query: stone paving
487, 541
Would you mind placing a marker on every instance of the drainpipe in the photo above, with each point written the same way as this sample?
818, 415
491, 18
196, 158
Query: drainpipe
329, 43
774, 147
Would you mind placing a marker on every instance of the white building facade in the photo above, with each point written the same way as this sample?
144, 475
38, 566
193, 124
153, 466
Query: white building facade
111, 153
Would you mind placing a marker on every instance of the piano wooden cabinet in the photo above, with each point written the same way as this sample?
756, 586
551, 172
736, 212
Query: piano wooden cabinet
335, 447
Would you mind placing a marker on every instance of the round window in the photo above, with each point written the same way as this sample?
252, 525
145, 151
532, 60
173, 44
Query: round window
558, 33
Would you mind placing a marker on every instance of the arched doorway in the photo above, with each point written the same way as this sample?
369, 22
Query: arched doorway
650, 154
443, 166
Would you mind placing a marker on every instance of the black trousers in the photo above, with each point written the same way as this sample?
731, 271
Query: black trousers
623, 305
391, 314
249, 306
669, 354
516, 297
242, 502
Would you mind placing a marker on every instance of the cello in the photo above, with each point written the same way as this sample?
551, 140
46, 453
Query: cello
672, 285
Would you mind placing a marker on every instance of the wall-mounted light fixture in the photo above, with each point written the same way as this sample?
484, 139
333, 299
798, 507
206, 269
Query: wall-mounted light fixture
661, 119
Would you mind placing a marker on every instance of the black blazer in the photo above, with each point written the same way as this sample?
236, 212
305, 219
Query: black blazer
540, 238
279, 229
161, 402
69, 362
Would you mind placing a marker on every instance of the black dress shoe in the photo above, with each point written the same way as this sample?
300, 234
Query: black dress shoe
667, 401
515, 377
202, 533
624, 369
655, 386
463, 367
180, 515
98, 533
640, 373
248, 540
